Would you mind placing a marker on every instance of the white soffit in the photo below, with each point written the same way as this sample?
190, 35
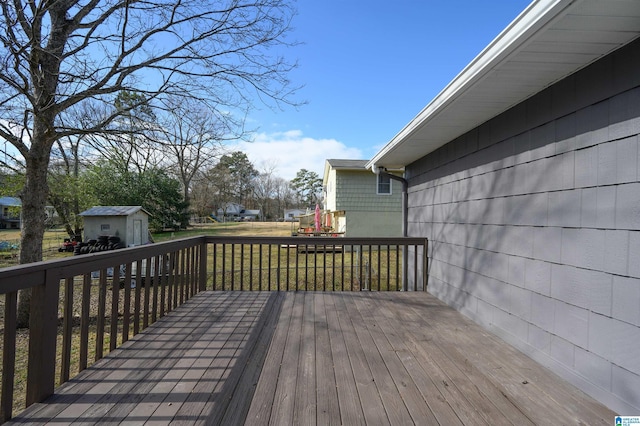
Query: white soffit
548, 41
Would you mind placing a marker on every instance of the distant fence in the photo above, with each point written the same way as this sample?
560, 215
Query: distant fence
10, 247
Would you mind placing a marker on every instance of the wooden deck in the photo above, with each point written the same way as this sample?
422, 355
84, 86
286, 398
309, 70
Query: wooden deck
316, 358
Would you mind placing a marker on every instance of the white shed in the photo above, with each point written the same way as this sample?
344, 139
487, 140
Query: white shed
292, 215
130, 223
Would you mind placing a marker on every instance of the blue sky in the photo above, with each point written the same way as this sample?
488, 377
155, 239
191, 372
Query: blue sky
367, 69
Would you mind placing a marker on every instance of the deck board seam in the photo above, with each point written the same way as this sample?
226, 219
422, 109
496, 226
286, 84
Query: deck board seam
419, 410
374, 412
259, 358
349, 402
262, 402
233, 344
489, 342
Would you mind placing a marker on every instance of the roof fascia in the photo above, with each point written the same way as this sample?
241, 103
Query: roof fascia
535, 17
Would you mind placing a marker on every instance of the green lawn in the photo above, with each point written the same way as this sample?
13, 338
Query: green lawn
53, 238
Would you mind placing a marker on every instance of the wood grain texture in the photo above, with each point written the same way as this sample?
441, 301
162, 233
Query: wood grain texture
273, 358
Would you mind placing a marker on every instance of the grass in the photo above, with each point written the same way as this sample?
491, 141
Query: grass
264, 229
273, 267
53, 238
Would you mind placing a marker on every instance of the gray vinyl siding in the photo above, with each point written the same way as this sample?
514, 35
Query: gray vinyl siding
534, 226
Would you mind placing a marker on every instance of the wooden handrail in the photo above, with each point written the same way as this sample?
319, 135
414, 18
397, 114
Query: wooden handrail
136, 286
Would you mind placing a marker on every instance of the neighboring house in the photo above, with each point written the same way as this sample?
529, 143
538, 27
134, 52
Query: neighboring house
238, 212
230, 210
248, 214
10, 212
129, 223
364, 205
524, 174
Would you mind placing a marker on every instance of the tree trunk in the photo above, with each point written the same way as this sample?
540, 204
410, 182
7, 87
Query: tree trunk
34, 198
187, 203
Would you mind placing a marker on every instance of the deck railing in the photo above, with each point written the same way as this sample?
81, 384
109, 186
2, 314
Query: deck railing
83, 307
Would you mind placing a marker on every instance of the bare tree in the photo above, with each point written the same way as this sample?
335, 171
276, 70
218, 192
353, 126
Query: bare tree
192, 136
202, 198
264, 190
284, 195
58, 54
70, 156
129, 142
66, 192
223, 185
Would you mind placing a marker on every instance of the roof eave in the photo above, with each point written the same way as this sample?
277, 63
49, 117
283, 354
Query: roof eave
525, 29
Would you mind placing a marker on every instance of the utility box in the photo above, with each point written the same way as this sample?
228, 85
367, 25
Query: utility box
129, 223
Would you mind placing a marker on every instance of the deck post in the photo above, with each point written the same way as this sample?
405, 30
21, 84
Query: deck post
8, 356
425, 267
202, 276
43, 323
405, 267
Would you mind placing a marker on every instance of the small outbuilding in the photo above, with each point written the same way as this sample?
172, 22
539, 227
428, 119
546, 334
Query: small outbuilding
129, 223
293, 215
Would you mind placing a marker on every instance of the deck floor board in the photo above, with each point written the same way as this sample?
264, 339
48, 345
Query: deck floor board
264, 358
350, 404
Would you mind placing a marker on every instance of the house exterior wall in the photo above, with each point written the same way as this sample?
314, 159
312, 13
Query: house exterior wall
121, 226
366, 212
10, 213
292, 214
95, 226
131, 228
534, 226
330, 201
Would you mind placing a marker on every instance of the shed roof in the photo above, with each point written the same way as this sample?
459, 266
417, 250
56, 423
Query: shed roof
547, 42
113, 211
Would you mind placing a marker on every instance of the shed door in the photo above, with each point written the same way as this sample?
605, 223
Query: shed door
137, 232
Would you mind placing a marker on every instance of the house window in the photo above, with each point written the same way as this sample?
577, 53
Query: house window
384, 184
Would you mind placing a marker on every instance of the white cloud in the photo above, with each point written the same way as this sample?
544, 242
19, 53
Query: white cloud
291, 151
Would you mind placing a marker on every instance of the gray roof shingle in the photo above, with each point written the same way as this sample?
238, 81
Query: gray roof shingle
112, 211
